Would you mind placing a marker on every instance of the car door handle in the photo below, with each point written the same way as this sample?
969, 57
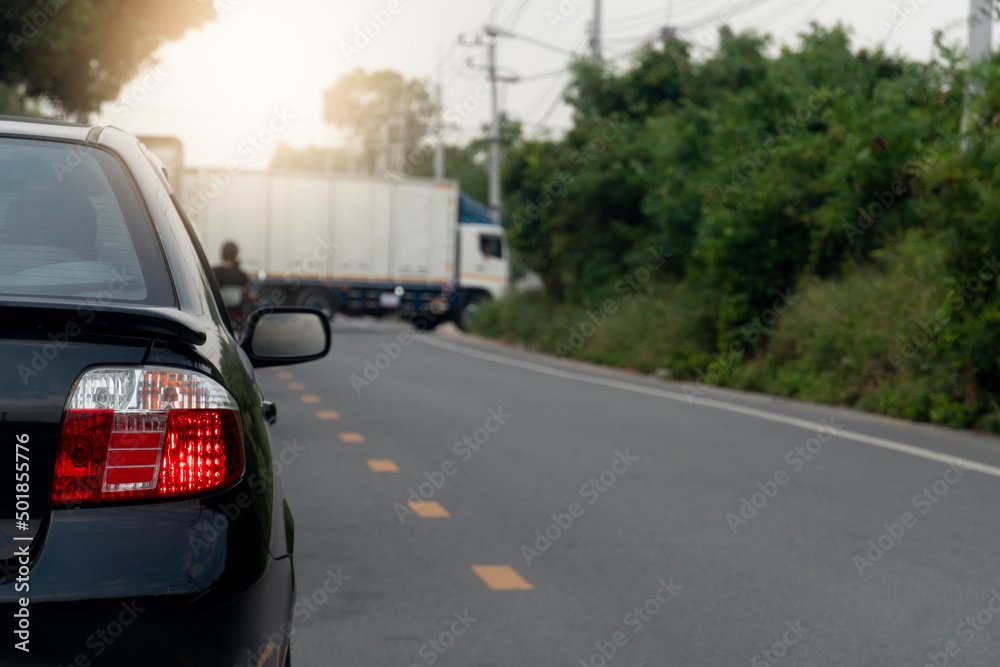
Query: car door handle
270, 411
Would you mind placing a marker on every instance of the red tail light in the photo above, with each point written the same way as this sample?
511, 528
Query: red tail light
146, 433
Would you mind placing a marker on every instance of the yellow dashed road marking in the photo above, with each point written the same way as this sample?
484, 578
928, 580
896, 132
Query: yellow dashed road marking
285, 375
351, 437
266, 654
382, 465
296, 386
501, 578
430, 509
310, 398
328, 415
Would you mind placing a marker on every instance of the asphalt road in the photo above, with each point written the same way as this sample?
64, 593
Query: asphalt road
627, 521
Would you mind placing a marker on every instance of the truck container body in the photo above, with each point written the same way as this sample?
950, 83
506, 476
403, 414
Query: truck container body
353, 244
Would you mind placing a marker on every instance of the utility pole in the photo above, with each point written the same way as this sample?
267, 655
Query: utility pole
494, 133
595, 36
399, 158
439, 120
438, 130
382, 157
668, 33
493, 32
980, 29
980, 38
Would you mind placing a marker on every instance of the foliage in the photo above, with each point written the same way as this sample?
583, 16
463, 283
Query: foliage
838, 176
14, 102
311, 158
664, 327
873, 339
466, 164
79, 54
379, 109
744, 167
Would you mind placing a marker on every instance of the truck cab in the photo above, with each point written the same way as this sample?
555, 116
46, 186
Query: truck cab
483, 265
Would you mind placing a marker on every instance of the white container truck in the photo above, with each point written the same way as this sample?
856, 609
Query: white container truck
354, 245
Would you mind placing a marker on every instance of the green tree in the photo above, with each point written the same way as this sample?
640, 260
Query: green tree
312, 158
379, 110
466, 164
840, 176
14, 102
78, 54
744, 167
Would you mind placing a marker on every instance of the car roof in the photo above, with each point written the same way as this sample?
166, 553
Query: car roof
48, 129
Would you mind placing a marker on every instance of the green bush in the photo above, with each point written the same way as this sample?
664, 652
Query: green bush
666, 327
835, 175
874, 339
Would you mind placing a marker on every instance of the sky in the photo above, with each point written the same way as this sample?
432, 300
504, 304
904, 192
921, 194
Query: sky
254, 78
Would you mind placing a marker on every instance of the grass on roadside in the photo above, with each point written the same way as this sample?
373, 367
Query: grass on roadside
866, 340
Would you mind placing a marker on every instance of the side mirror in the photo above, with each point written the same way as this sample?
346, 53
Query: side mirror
283, 336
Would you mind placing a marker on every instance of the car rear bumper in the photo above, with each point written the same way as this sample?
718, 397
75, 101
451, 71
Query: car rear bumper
250, 629
178, 583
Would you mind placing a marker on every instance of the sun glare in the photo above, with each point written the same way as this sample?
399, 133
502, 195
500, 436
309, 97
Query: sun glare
259, 59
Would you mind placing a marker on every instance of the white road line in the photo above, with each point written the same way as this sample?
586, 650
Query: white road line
883, 443
368, 325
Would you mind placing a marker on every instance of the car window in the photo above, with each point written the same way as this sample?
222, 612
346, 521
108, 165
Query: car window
71, 225
490, 245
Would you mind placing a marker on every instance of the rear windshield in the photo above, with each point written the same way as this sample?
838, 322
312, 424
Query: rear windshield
71, 226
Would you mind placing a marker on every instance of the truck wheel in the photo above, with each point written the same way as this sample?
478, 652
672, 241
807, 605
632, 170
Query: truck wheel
426, 321
320, 299
469, 310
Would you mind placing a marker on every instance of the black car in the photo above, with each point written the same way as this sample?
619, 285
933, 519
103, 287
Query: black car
140, 522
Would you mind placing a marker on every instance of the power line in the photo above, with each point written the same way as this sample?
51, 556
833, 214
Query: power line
445, 62
542, 75
548, 113
812, 13
736, 12
538, 100
621, 31
641, 42
644, 40
511, 21
494, 8
459, 68
632, 18
649, 16
785, 9
957, 23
